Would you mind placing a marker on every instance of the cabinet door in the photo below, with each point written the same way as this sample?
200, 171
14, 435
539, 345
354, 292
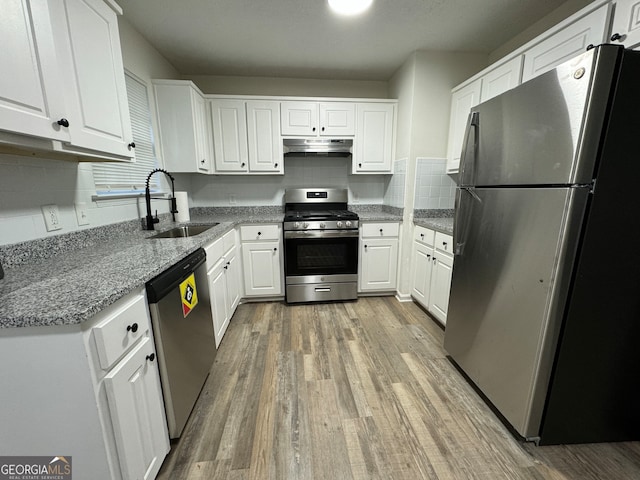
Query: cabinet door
379, 259
264, 141
137, 413
261, 262
567, 43
626, 23
422, 267
299, 118
89, 50
30, 88
461, 102
229, 122
440, 286
373, 143
233, 281
202, 133
337, 119
218, 295
502, 78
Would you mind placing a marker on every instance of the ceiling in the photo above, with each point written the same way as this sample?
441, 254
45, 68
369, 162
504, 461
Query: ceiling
303, 39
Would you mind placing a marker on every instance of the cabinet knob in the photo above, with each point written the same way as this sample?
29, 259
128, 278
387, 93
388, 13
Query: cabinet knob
276, 165
313, 129
228, 263
132, 328
365, 246
275, 249
444, 244
360, 165
259, 233
323, 129
380, 230
151, 357
132, 145
203, 161
422, 235
428, 256
615, 37
590, 46
225, 267
63, 122
243, 164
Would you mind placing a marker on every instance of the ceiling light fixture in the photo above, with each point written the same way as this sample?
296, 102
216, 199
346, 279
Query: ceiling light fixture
349, 7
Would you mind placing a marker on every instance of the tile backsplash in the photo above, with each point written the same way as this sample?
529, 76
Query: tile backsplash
434, 188
394, 193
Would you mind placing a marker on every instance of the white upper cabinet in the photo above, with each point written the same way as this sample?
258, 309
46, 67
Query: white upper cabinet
66, 83
263, 130
30, 100
229, 121
502, 78
461, 102
184, 131
88, 48
312, 119
374, 141
572, 40
626, 24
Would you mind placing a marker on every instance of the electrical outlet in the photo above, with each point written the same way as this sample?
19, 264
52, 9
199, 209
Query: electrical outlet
51, 216
82, 213
232, 199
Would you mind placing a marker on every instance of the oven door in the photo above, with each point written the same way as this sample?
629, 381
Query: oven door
313, 253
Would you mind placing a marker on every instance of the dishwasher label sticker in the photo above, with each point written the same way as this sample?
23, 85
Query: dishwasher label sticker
188, 294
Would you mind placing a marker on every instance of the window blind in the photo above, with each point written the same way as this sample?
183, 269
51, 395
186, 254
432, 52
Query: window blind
124, 178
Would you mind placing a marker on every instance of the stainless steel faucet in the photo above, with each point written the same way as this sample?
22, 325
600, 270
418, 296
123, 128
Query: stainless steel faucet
151, 220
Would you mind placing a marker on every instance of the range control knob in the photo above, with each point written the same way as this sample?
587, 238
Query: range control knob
348, 223
296, 225
305, 225
339, 224
322, 225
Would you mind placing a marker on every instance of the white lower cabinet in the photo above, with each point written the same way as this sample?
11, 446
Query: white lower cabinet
262, 260
378, 257
90, 390
224, 281
133, 391
432, 268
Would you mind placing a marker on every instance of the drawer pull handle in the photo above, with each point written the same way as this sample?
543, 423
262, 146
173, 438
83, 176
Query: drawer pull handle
132, 328
323, 289
151, 357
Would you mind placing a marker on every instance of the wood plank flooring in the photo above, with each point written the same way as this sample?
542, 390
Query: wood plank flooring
358, 390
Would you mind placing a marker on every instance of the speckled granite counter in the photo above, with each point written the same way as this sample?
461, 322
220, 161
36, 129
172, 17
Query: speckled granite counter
377, 213
444, 225
72, 286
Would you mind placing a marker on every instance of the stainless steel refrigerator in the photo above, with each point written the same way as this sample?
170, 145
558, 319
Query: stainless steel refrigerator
544, 312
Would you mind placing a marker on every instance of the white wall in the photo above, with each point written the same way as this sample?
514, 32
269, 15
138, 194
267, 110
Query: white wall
26, 183
282, 86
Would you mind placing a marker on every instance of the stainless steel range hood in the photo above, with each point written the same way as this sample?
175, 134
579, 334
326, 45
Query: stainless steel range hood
328, 147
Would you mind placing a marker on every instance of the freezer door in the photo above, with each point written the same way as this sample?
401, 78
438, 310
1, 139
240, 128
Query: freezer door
544, 132
508, 290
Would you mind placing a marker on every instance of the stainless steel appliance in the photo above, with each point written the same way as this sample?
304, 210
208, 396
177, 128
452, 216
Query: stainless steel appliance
185, 344
320, 246
329, 147
544, 316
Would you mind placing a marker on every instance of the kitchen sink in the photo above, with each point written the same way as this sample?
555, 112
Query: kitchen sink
184, 231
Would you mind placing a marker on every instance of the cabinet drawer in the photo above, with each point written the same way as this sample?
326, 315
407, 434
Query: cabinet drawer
259, 232
229, 241
214, 251
380, 230
122, 329
444, 243
424, 235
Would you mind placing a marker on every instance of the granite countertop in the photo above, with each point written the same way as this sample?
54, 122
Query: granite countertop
444, 225
71, 287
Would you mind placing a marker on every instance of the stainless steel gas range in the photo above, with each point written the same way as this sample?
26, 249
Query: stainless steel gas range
320, 245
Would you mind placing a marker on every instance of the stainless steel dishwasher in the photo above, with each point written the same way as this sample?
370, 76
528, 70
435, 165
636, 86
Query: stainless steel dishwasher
183, 329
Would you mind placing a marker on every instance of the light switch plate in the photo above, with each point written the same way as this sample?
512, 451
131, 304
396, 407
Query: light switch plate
82, 214
51, 216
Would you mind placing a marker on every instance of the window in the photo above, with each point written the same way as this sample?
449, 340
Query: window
128, 179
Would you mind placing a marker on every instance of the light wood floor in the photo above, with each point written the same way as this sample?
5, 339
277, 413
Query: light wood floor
358, 390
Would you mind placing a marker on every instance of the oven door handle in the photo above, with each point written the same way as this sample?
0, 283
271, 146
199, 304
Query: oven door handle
322, 234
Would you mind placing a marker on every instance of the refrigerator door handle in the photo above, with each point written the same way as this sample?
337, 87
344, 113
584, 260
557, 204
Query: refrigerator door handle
462, 218
473, 122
